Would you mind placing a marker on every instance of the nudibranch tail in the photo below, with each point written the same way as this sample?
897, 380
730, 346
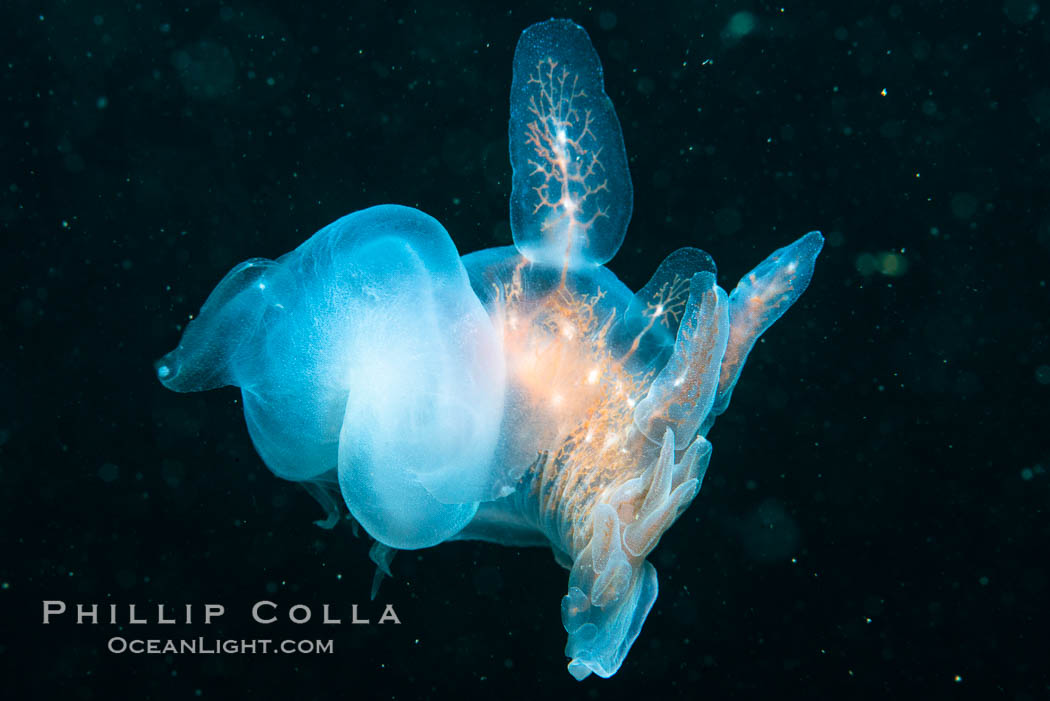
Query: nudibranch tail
611, 585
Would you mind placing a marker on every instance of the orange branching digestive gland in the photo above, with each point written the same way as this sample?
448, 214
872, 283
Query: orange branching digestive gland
557, 352
667, 306
563, 356
567, 155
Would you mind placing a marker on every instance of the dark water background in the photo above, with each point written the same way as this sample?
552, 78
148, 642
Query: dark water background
874, 520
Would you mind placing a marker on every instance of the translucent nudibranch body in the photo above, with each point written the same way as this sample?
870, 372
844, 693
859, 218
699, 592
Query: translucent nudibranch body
519, 395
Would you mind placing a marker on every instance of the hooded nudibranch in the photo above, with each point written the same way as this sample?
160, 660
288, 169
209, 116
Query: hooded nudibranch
520, 395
